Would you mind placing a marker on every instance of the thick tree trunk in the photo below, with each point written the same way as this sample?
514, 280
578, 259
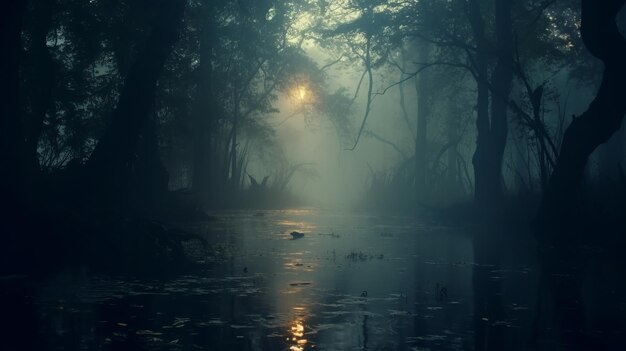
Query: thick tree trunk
11, 141
149, 177
42, 65
202, 175
501, 83
423, 110
109, 167
601, 120
492, 127
612, 154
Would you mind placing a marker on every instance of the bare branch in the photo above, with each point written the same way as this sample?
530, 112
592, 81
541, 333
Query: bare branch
328, 65
358, 87
424, 67
387, 142
368, 106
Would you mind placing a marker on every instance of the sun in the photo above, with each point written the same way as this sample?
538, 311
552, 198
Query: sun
301, 93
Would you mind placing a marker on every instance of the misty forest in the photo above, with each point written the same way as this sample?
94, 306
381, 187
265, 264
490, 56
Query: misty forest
313, 174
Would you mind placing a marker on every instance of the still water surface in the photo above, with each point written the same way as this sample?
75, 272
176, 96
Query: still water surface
353, 282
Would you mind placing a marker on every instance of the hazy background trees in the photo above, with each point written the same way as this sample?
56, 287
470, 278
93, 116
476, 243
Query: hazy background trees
447, 101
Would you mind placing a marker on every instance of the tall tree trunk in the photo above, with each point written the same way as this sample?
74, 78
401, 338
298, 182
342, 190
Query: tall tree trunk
491, 125
109, 167
233, 151
11, 141
405, 113
501, 83
491, 119
603, 117
42, 65
149, 176
483, 141
612, 153
423, 110
452, 134
203, 153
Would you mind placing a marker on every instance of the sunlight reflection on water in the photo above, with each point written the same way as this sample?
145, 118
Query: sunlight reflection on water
297, 339
298, 211
300, 226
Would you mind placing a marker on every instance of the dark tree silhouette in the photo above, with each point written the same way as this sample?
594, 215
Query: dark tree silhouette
491, 121
205, 107
42, 77
602, 119
11, 141
110, 165
424, 95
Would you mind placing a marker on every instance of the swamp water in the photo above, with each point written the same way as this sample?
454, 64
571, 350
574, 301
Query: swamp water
352, 282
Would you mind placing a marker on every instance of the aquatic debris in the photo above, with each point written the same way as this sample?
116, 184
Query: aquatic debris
296, 235
210, 322
362, 256
441, 291
430, 338
517, 307
259, 214
179, 322
239, 326
300, 283
501, 323
399, 313
357, 256
332, 235
434, 308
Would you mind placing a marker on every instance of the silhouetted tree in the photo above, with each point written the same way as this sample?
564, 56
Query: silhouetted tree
602, 119
109, 166
42, 78
205, 108
11, 131
423, 88
492, 116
